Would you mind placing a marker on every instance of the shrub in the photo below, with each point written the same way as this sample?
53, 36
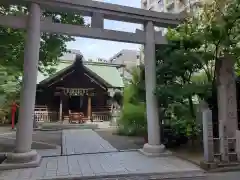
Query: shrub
132, 120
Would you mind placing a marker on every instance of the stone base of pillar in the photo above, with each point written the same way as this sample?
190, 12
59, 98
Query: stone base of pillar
90, 119
21, 160
155, 150
208, 165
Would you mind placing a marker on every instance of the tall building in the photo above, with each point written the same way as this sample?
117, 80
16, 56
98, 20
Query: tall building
127, 58
170, 6
70, 55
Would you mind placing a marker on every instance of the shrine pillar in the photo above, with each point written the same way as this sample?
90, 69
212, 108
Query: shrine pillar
154, 146
60, 108
89, 107
23, 155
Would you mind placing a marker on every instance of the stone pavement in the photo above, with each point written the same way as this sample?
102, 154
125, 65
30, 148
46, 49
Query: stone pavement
83, 142
101, 164
88, 155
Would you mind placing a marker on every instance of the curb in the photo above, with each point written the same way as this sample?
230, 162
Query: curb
215, 170
185, 159
225, 169
166, 175
62, 127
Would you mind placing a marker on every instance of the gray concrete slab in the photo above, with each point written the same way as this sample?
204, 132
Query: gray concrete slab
101, 164
49, 152
84, 141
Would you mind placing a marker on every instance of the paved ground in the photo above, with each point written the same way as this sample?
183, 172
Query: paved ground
93, 165
83, 142
98, 158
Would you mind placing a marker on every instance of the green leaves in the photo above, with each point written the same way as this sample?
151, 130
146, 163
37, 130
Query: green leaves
12, 49
186, 67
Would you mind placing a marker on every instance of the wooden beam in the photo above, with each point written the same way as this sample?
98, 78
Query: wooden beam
60, 79
94, 81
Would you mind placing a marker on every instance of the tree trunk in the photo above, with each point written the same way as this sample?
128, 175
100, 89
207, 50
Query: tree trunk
191, 107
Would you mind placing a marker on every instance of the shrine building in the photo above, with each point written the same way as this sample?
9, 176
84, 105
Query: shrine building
77, 86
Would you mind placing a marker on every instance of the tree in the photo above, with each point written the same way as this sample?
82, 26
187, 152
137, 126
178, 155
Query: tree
198, 43
196, 48
52, 46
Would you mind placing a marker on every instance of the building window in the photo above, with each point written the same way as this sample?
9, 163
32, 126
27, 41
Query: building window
160, 2
119, 55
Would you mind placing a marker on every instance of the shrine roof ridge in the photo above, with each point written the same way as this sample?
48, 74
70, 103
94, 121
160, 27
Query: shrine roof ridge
94, 63
103, 64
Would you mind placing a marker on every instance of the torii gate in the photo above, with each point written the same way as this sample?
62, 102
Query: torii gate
98, 11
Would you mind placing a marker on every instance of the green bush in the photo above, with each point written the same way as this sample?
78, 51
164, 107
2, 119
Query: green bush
132, 120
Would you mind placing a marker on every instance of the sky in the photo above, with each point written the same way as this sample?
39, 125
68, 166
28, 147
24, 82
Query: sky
93, 49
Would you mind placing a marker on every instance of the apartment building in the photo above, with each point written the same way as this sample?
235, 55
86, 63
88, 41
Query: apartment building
128, 58
170, 6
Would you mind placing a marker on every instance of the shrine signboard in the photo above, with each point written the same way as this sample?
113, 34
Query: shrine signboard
78, 92
208, 135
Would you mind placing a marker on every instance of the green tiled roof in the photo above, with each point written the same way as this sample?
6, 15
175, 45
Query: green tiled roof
107, 72
61, 66
110, 74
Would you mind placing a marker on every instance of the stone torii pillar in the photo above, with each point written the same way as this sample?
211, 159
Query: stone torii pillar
23, 154
154, 146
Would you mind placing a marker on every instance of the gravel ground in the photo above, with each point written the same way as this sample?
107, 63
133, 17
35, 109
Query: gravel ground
7, 142
120, 142
51, 137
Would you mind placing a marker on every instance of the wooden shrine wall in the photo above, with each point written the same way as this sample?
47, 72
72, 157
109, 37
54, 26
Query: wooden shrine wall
76, 78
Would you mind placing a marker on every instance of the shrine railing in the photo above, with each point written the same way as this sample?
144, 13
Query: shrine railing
99, 116
100, 109
45, 116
